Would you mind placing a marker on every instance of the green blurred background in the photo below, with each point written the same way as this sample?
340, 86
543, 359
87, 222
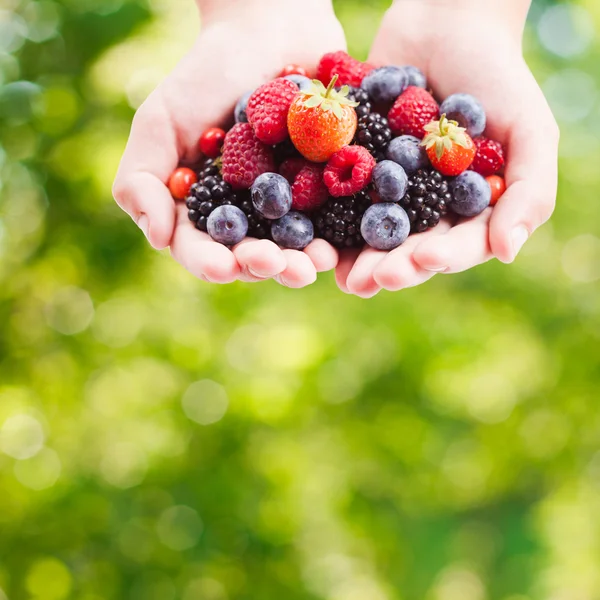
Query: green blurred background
165, 439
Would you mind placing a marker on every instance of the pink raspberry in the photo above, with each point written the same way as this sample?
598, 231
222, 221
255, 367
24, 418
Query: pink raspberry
349, 171
290, 167
245, 157
489, 158
412, 110
349, 70
308, 189
268, 107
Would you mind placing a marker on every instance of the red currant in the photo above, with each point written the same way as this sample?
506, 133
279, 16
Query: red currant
211, 142
293, 70
181, 181
498, 187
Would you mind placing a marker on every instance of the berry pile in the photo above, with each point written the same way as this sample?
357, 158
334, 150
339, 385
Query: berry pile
357, 155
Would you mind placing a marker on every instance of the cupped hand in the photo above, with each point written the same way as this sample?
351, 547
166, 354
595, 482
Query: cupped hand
471, 51
234, 53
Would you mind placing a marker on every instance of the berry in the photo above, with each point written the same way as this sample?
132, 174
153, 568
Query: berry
385, 84
321, 121
211, 142
180, 182
374, 133
293, 70
210, 167
364, 102
227, 225
290, 167
472, 194
426, 200
338, 220
258, 226
348, 171
415, 76
498, 187
385, 226
413, 109
449, 147
301, 81
271, 195
294, 231
390, 181
268, 107
245, 157
467, 111
489, 158
350, 71
407, 151
239, 113
308, 190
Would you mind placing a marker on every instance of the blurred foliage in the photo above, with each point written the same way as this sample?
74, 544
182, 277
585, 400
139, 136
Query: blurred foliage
161, 438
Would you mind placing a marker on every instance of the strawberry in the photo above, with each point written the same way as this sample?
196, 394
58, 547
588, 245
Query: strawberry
489, 158
321, 121
349, 70
268, 108
412, 110
449, 147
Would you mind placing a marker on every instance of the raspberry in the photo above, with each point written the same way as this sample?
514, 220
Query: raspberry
245, 157
413, 109
489, 158
350, 71
309, 191
268, 108
348, 171
291, 167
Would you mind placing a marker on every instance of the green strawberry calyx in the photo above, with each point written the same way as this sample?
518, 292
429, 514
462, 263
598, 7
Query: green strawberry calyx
328, 98
444, 134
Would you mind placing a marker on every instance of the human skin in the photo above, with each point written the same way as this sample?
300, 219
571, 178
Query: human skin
475, 47
242, 44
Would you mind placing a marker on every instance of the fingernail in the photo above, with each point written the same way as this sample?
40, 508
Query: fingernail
519, 237
144, 224
255, 274
436, 270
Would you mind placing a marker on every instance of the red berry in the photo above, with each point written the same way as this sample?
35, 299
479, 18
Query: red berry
489, 158
349, 171
308, 191
211, 142
413, 109
449, 147
181, 181
245, 157
498, 187
290, 167
293, 70
268, 108
350, 71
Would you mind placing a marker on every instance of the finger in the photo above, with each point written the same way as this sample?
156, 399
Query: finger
259, 259
464, 246
398, 269
201, 256
323, 255
345, 264
299, 272
360, 279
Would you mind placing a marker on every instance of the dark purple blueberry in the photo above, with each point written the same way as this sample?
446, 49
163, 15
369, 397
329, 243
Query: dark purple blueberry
390, 181
385, 226
271, 195
227, 225
301, 81
239, 112
472, 194
415, 76
385, 84
294, 230
467, 111
407, 151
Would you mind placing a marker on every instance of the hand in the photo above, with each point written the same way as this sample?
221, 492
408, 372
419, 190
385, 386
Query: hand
468, 49
240, 46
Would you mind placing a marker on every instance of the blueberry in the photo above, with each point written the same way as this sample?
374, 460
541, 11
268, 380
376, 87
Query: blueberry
390, 181
472, 194
227, 225
385, 226
407, 151
293, 230
385, 84
271, 195
466, 110
240, 108
302, 82
415, 76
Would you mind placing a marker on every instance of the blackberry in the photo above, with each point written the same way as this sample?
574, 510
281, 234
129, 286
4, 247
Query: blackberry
258, 226
284, 151
364, 102
374, 133
210, 167
426, 200
338, 220
206, 195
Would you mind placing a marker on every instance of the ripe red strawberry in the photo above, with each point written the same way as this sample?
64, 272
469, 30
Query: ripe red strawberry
349, 171
449, 147
489, 158
245, 157
413, 109
321, 121
268, 107
350, 71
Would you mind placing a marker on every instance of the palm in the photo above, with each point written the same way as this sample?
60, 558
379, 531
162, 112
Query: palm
485, 62
226, 61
